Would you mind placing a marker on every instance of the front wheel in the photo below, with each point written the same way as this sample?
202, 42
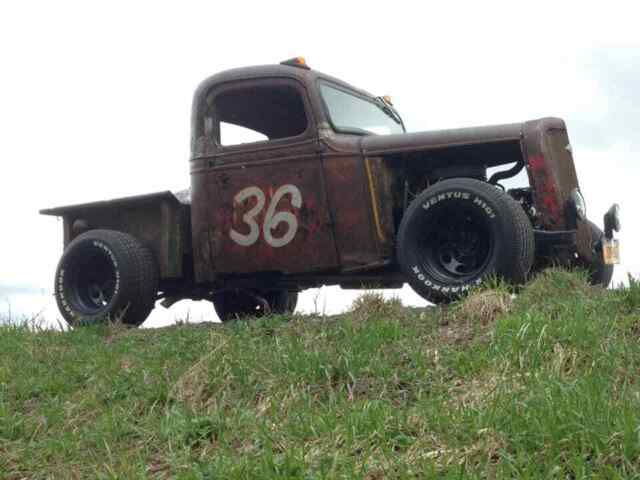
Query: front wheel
237, 304
457, 233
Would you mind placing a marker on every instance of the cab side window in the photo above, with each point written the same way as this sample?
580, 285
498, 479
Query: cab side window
257, 113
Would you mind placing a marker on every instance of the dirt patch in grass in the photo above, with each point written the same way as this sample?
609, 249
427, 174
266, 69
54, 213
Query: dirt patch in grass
374, 304
474, 316
483, 307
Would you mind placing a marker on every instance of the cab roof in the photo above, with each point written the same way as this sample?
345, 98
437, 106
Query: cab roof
307, 76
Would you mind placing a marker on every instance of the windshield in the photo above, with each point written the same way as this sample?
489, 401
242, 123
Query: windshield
355, 114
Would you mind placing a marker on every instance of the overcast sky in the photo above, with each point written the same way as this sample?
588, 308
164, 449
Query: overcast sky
95, 99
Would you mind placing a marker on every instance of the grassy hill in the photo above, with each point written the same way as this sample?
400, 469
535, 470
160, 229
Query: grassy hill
542, 386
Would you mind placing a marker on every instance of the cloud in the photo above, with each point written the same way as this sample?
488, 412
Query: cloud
616, 74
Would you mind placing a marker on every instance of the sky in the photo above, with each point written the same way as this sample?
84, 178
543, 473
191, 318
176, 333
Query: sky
95, 99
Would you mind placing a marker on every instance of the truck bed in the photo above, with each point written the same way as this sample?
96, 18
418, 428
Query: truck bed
160, 220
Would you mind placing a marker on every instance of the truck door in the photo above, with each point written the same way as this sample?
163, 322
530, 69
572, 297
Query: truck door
266, 207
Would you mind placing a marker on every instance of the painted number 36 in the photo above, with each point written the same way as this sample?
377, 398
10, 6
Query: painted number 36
271, 219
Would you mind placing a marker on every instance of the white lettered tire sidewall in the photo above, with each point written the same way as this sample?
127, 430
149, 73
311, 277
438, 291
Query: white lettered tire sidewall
511, 253
64, 295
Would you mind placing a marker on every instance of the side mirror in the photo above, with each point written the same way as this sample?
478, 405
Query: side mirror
612, 221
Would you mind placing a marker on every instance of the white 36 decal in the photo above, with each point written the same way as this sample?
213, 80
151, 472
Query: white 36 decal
271, 220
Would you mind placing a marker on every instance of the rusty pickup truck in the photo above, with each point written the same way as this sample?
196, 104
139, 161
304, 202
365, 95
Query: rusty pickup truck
299, 179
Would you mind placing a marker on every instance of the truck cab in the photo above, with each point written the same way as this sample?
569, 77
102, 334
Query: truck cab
303, 199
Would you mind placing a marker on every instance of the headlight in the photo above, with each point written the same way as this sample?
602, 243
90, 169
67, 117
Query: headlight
579, 203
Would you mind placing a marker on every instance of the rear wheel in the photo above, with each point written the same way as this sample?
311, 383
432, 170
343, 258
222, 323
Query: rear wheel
105, 275
235, 304
457, 233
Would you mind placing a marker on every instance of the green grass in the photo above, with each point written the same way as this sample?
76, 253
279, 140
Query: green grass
543, 386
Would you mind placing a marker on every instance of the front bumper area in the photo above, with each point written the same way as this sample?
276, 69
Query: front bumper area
587, 241
546, 240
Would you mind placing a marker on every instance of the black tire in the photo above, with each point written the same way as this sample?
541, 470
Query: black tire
237, 304
457, 233
105, 275
600, 273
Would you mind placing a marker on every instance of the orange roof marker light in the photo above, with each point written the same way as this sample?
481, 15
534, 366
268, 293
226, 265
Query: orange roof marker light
299, 62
